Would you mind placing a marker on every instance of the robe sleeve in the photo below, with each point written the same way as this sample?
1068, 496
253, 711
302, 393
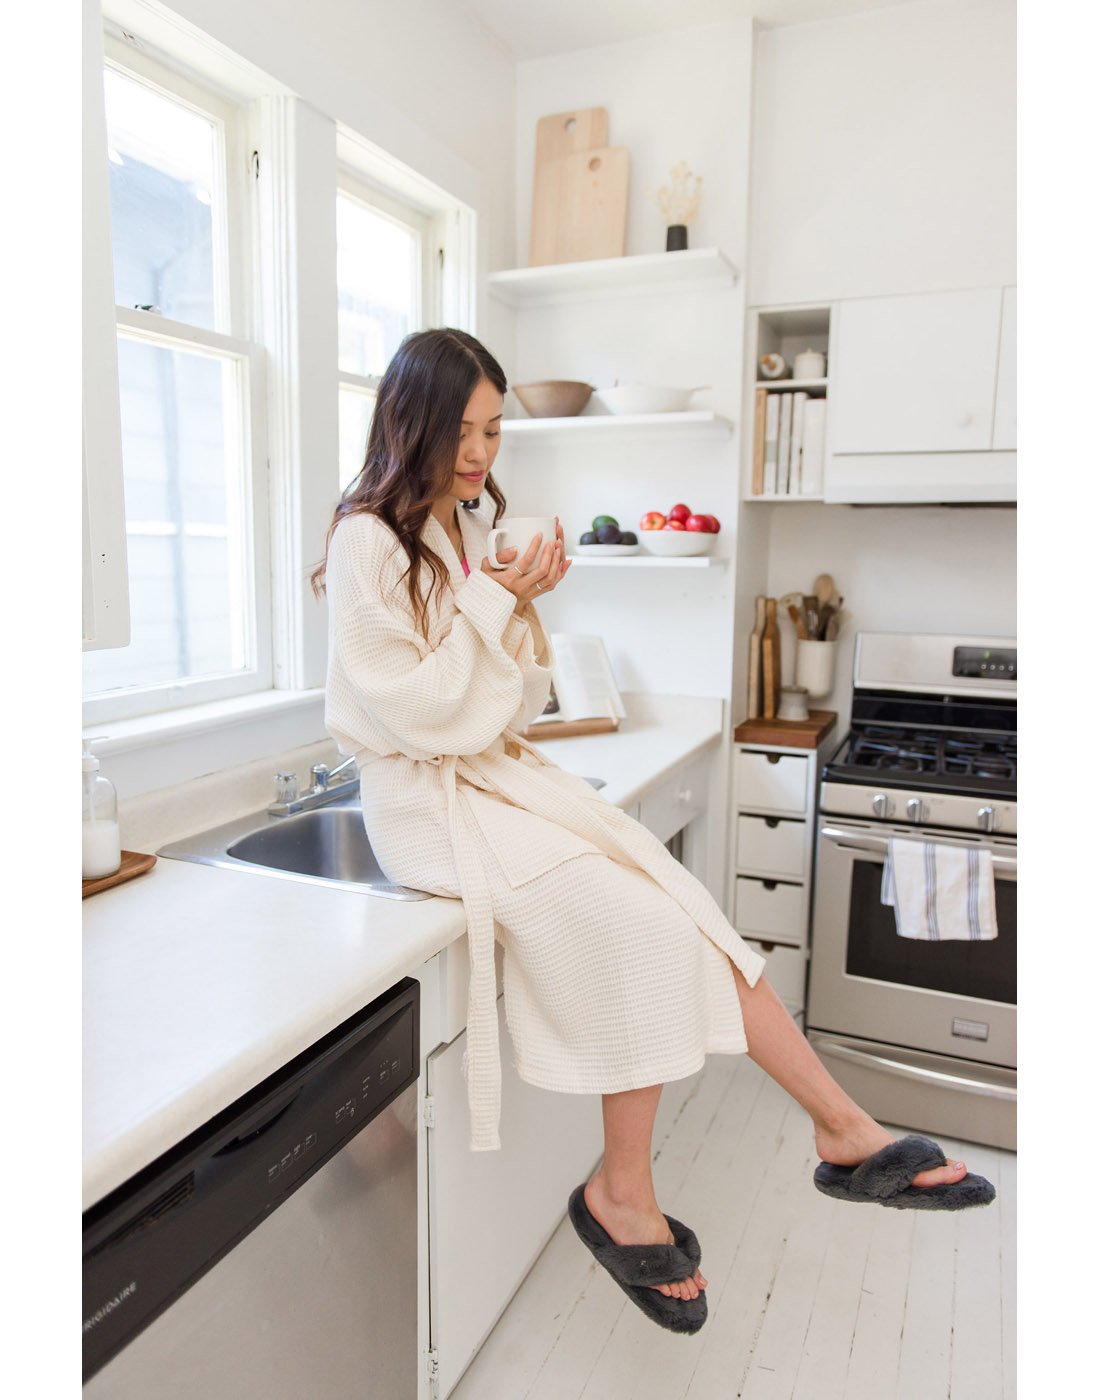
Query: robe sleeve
529, 645
456, 698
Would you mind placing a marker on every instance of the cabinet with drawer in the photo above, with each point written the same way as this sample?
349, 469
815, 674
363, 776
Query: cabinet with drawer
772, 828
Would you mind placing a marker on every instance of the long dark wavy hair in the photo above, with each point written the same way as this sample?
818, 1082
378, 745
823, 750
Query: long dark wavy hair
412, 448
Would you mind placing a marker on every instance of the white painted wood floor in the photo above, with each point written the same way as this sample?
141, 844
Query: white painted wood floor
809, 1298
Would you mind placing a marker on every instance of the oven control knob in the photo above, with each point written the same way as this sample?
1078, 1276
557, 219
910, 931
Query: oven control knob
987, 818
914, 809
880, 805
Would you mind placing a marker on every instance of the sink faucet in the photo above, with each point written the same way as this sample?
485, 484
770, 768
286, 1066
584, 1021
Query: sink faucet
324, 790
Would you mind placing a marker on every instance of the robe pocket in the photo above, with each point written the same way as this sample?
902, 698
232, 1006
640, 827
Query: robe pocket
524, 844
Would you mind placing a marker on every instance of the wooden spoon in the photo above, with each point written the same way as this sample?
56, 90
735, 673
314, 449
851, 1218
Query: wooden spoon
824, 588
796, 618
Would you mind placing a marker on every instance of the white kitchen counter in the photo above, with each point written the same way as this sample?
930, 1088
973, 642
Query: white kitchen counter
201, 981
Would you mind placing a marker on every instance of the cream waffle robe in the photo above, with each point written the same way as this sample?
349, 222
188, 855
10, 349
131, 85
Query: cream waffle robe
616, 973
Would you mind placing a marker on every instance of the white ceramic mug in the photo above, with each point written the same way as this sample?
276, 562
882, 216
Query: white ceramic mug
517, 532
814, 666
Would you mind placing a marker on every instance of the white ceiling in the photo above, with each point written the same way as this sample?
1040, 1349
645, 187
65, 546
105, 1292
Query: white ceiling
539, 28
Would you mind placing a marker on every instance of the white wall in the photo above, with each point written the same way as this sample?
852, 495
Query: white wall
684, 96
884, 153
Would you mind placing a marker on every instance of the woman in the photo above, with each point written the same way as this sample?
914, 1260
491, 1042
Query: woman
620, 971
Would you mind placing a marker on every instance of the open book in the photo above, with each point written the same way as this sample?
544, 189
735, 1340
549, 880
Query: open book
584, 698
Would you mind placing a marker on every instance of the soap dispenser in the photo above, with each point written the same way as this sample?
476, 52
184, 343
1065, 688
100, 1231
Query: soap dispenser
101, 847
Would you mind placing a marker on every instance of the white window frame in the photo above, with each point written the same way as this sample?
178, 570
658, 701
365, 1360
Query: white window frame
248, 427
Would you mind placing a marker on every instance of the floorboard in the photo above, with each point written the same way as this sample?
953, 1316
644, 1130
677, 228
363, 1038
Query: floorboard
809, 1298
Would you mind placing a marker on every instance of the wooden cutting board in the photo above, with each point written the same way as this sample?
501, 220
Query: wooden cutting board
579, 209
566, 132
755, 641
769, 648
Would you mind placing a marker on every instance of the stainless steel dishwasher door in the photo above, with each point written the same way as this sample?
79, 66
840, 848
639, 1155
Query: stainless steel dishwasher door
317, 1303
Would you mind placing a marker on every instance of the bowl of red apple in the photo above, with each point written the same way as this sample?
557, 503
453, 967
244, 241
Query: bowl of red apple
678, 533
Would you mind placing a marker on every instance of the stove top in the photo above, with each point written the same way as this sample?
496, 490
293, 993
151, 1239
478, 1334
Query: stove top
942, 760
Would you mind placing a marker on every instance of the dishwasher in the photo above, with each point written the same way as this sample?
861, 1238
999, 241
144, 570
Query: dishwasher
273, 1252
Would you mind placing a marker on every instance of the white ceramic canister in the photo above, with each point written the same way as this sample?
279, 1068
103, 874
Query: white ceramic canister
792, 702
815, 663
810, 364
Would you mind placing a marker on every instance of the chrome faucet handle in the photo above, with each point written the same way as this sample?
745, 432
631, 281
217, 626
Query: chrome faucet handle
320, 775
286, 787
343, 767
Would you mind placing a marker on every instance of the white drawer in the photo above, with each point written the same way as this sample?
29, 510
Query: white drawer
767, 908
786, 971
772, 782
669, 806
772, 845
454, 985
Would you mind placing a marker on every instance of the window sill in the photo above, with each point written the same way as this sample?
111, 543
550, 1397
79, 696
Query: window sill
156, 751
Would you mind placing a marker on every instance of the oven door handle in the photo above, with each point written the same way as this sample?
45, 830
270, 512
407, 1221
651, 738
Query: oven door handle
904, 1071
880, 847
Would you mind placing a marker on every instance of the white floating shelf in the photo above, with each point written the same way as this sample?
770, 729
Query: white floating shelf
695, 423
792, 383
692, 268
650, 561
789, 496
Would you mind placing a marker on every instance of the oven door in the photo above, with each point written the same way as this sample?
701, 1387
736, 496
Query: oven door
955, 998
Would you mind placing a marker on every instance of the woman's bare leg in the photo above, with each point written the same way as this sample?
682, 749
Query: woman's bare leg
620, 1194
843, 1132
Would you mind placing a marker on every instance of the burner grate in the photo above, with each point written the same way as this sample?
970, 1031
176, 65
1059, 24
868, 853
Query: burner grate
889, 750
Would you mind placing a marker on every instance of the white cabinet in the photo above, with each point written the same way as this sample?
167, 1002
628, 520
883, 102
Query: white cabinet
491, 1213
915, 398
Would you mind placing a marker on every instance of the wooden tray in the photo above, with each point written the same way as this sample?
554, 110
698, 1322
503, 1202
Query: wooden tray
133, 864
568, 728
789, 733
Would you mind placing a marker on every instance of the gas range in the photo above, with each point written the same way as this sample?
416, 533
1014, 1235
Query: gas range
933, 735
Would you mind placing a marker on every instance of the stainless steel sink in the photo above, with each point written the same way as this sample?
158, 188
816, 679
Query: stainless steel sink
326, 845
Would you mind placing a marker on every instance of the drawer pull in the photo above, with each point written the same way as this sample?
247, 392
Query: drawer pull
773, 757
770, 884
771, 822
768, 947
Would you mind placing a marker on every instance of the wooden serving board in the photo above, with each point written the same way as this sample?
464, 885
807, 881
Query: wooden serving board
755, 703
579, 210
566, 132
133, 863
769, 648
789, 733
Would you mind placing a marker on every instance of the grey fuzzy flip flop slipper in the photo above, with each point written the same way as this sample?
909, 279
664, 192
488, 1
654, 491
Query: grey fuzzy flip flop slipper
636, 1266
886, 1179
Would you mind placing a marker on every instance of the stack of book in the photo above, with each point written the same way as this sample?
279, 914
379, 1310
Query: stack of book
788, 448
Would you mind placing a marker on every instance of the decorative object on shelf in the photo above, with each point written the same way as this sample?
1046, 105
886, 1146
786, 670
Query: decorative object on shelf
646, 398
553, 398
773, 366
788, 447
679, 201
682, 532
579, 206
771, 660
814, 666
755, 704
810, 364
792, 703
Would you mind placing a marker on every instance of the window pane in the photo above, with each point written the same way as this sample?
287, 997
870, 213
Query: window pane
185, 520
162, 163
377, 281
356, 409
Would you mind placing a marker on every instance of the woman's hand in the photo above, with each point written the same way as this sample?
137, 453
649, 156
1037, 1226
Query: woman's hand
543, 568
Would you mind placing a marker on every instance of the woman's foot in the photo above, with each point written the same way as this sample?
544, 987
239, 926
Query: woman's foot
629, 1221
853, 1142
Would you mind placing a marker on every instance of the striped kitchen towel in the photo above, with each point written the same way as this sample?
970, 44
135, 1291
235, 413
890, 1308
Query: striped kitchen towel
939, 891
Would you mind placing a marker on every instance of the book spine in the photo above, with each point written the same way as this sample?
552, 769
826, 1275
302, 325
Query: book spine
771, 444
813, 447
800, 398
783, 465
759, 428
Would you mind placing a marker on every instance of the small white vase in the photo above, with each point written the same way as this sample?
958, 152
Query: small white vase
815, 664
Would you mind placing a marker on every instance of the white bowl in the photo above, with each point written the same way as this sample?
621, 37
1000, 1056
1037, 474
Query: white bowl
609, 551
676, 544
644, 398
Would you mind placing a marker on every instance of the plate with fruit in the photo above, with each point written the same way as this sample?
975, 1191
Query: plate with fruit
607, 539
678, 533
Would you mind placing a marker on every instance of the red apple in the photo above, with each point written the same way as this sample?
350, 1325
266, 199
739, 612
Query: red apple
680, 513
652, 520
698, 522
712, 524
673, 525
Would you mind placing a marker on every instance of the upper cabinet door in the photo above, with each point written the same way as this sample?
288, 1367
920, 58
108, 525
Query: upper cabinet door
1004, 413
915, 373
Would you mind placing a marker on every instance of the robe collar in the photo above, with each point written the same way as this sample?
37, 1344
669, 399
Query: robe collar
473, 544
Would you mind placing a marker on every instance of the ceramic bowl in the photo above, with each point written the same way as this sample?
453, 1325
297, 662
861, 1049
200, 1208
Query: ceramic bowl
553, 398
676, 544
644, 398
